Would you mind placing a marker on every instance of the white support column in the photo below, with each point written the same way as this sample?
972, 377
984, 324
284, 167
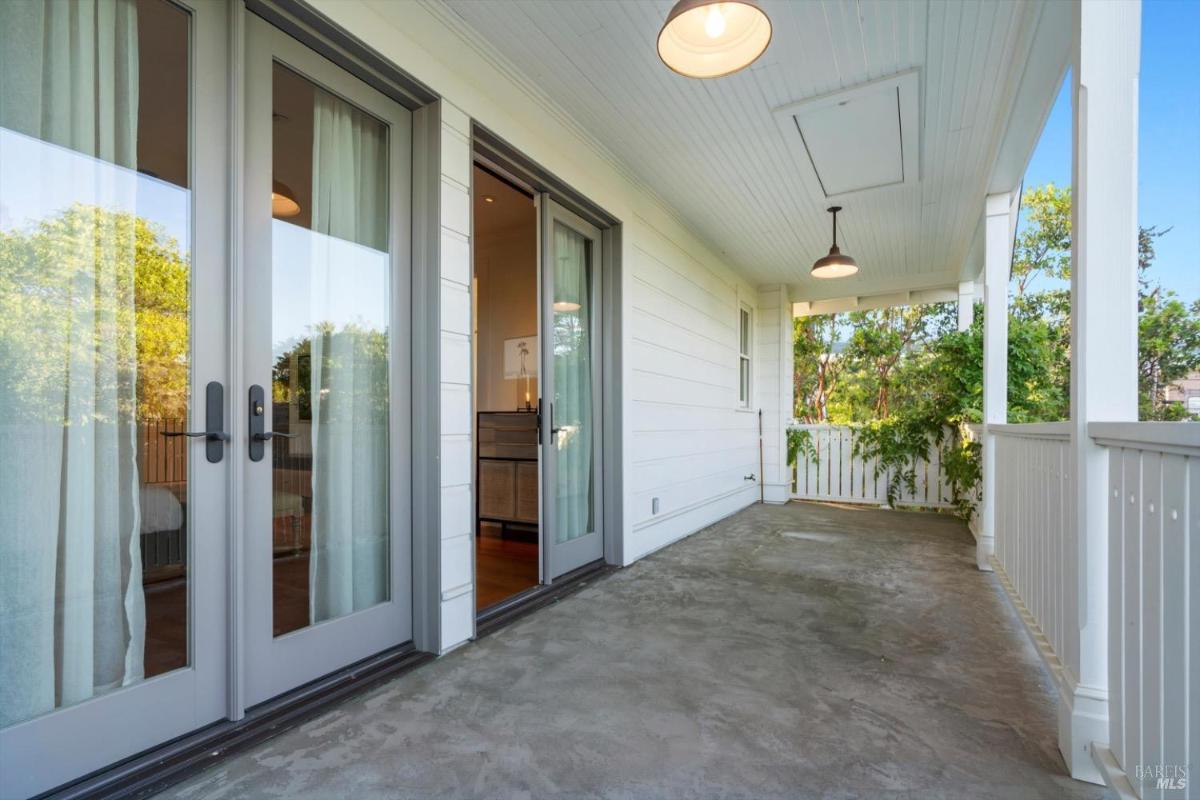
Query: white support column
1105, 58
773, 369
996, 264
966, 304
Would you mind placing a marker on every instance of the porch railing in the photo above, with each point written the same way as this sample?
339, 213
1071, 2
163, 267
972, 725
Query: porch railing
1153, 600
1034, 528
831, 471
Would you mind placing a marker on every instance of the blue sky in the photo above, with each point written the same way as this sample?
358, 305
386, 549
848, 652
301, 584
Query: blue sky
1168, 140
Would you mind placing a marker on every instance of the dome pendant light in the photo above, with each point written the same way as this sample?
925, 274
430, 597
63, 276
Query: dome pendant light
283, 201
711, 38
834, 265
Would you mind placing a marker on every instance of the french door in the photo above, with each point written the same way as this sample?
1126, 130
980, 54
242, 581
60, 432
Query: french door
571, 391
326, 383
113, 382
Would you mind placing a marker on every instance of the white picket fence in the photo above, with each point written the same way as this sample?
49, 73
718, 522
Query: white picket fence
834, 473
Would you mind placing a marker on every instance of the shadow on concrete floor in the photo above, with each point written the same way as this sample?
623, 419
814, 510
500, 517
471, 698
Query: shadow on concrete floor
786, 652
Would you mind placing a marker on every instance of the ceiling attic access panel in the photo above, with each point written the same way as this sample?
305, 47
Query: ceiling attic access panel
858, 139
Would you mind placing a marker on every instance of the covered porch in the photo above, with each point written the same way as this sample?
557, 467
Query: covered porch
709, 634
800, 650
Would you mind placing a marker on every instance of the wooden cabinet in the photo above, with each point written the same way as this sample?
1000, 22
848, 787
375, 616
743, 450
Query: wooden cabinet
507, 467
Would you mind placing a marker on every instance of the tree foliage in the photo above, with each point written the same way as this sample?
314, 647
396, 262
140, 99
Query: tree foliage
113, 276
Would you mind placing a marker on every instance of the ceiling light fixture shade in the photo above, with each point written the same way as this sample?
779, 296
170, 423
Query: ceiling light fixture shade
711, 38
834, 265
283, 200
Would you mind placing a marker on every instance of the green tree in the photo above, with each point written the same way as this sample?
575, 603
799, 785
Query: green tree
818, 366
48, 297
1168, 328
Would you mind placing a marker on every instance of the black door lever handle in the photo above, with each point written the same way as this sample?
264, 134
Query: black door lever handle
269, 435
212, 436
214, 420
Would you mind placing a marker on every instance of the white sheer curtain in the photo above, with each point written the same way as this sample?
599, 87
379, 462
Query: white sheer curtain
572, 384
348, 567
72, 613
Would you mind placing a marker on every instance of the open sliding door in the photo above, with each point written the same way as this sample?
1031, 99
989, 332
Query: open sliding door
572, 530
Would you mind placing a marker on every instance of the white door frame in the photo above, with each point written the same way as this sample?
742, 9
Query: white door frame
273, 665
559, 559
39, 754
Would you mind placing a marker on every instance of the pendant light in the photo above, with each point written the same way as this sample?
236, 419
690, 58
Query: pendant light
834, 265
711, 38
283, 200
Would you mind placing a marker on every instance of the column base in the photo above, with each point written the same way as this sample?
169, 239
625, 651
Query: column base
777, 493
1082, 722
985, 548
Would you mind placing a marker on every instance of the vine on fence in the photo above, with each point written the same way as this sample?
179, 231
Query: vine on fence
800, 441
897, 444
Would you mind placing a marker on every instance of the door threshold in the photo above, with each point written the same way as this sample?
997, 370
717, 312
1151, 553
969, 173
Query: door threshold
158, 768
499, 615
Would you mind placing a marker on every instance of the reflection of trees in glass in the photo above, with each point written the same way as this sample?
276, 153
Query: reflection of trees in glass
354, 366
572, 354
291, 377
50, 279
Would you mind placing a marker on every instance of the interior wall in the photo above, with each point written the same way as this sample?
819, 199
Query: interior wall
506, 275
506, 283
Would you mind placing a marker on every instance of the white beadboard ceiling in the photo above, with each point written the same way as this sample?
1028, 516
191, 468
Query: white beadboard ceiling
714, 151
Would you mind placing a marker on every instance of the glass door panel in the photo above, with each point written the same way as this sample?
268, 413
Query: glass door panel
104, 362
329, 388
572, 252
327, 504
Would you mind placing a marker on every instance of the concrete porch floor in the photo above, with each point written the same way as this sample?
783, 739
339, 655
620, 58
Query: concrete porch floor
788, 651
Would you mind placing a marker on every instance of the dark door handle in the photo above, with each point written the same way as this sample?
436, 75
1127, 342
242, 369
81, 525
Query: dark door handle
214, 419
219, 436
258, 417
553, 430
269, 435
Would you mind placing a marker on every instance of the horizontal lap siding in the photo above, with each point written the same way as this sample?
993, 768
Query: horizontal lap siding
457, 533
689, 446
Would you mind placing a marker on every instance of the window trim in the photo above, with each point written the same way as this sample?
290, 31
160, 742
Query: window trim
745, 355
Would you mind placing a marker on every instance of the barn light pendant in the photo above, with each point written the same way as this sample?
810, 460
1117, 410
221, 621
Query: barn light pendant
711, 38
283, 200
834, 265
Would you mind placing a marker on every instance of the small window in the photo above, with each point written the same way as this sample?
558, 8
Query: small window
744, 357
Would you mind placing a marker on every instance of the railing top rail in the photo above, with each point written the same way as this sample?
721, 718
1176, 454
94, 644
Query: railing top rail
1036, 430
1170, 437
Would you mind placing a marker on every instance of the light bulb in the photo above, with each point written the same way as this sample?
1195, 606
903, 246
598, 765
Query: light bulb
714, 25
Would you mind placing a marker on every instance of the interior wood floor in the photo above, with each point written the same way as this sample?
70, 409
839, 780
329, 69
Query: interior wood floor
504, 565
166, 611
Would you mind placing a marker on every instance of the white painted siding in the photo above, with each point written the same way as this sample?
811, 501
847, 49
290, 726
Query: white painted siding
773, 386
457, 550
692, 447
